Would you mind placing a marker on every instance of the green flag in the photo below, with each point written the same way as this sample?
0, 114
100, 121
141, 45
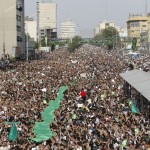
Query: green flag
13, 135
74, 116
134, 109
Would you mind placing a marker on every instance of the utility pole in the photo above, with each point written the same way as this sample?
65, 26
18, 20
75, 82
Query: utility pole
27, 46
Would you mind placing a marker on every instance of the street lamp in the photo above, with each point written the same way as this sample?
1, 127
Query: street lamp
4, 34
27, 43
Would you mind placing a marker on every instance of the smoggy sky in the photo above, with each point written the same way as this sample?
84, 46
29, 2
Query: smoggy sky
88, 13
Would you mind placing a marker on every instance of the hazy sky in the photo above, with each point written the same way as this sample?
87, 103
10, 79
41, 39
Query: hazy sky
88, 13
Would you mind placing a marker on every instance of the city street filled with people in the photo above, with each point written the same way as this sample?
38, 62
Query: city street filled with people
91, 115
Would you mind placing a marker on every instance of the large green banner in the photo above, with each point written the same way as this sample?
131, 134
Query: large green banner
42, 129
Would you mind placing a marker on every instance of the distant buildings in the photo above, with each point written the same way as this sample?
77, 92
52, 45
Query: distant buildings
69, 30
105, 24
102, 25
46, 20
12, 36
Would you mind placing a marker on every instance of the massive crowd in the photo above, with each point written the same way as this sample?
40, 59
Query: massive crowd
91, 116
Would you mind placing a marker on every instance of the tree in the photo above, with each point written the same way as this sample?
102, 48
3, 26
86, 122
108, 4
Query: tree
110, 37
43, 42
75, 43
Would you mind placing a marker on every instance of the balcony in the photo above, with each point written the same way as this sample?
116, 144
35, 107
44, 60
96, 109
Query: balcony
19, 7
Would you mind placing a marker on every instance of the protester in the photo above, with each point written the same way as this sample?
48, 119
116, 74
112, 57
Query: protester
92, 74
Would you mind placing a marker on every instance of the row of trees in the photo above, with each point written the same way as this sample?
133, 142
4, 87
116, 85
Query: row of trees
108, 38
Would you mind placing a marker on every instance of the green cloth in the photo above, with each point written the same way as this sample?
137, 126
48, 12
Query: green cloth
13, 70
75, 82
124, 143
136, 131
13, 135
42, 129
134, 109
74, 116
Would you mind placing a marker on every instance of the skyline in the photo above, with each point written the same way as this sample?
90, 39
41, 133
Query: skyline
88, 17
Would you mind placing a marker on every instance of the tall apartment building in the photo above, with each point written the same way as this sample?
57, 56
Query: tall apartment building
102, 25
136, 25
12, 36
46, 20
30, 28
69, 29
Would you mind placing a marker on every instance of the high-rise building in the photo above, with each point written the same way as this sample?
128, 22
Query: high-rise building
12, 36
30, 28
69, 29
136, 25
46, 20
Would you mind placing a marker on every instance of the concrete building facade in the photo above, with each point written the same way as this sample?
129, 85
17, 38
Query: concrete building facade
12, 36
136, 25
30, 28
69, 29
46, 20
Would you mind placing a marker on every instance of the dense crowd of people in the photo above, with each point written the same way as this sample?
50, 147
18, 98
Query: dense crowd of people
91, 116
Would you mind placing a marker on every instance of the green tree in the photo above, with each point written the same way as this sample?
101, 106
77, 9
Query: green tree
74, 43
43, 42
109, 37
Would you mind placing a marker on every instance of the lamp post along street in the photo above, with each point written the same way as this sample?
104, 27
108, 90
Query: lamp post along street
4, 34
27, 46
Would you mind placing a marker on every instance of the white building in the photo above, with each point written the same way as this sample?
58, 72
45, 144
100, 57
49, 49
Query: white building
105, 24
122, 31
69, 30
102, 25
12, 36
30, 28
46, 19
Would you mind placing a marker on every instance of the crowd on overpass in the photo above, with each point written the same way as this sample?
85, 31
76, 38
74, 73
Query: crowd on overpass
93, 120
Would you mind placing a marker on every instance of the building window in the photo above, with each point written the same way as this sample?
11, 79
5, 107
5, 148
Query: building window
19, 28
143, 25
19, 39
135, 24
18, 18
19, 7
